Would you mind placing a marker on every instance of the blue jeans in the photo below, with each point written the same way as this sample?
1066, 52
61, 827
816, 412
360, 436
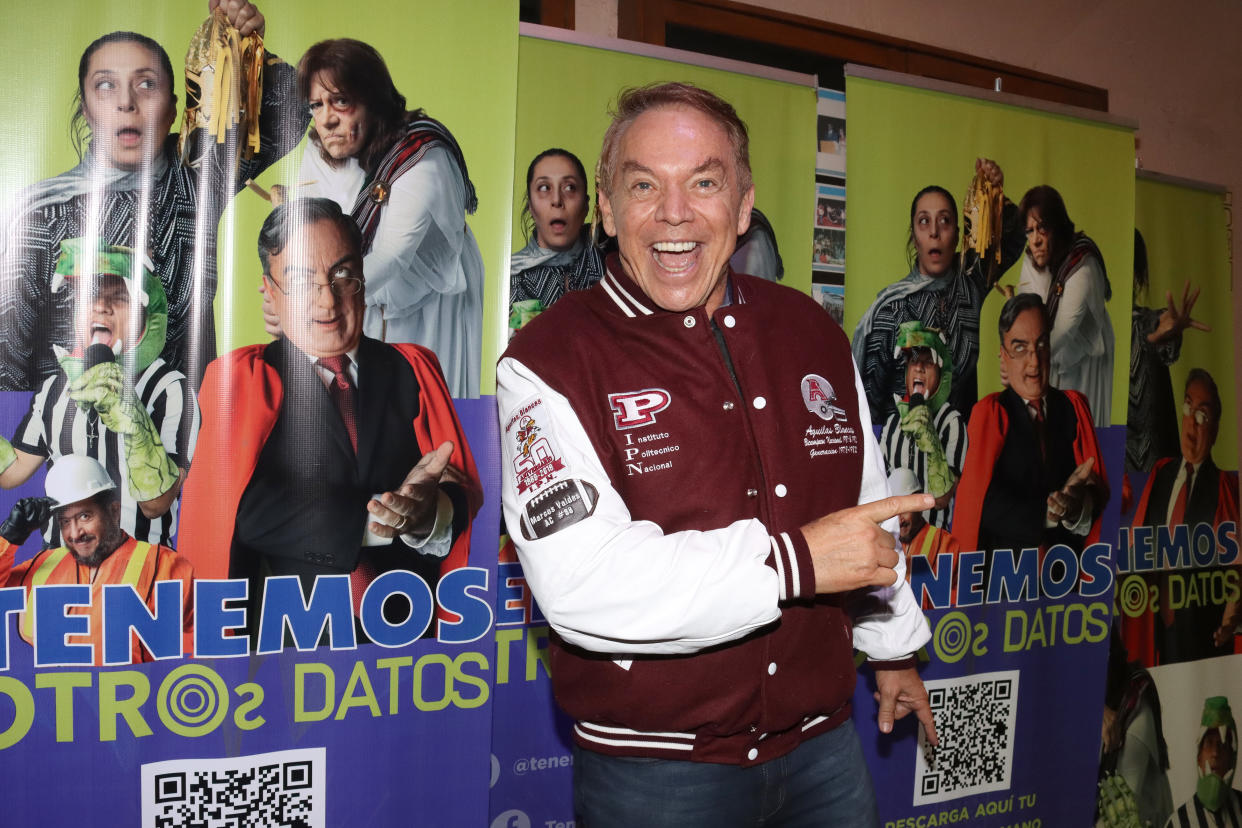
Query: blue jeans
822, 784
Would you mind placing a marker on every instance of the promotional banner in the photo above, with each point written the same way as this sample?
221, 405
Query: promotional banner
1011, 419
258, 588
1173, 682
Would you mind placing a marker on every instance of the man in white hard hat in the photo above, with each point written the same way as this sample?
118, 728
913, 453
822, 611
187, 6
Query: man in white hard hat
85, 503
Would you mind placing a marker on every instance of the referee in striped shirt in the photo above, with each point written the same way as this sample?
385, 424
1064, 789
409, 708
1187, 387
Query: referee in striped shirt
115, 399
926, 434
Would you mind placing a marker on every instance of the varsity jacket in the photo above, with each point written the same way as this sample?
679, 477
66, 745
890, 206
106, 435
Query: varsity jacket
137, 563
658, 466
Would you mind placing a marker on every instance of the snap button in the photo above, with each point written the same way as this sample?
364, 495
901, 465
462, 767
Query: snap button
729, 321
688, 321
780, 490
752, 753
760, 402
772, 669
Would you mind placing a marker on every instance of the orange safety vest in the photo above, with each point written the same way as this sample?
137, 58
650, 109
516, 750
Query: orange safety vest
136, 563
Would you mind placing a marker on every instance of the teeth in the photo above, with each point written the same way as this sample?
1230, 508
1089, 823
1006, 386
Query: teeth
674, 247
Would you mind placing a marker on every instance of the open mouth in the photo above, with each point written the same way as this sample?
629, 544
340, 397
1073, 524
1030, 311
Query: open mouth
918, 387
558, 225
675, 257
129, 136
101, 334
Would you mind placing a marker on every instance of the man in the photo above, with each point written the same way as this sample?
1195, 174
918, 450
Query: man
1034, 475
918, 537
667, 478
1192, 490
299, 435
85, 504
1215, 804
925, 433
115, 398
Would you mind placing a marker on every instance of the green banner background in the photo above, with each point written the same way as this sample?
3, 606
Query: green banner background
1186, 235
917, 137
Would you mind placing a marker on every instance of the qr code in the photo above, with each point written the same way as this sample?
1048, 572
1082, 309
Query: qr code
284, 789
975, 718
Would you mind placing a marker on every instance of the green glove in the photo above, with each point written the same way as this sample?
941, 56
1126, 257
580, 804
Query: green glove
8, 455
103, 388
1116, 806
917, 423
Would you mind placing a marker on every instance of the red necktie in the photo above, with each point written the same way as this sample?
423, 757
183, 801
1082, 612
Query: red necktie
341, 390
1179, 506
1036, 410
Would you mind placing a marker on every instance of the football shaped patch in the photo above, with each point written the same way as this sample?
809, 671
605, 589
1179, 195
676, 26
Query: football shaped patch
562, 504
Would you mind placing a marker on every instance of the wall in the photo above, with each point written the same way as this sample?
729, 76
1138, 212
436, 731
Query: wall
1176, 71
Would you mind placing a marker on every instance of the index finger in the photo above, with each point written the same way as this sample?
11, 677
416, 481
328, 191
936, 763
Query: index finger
881, 510
432, 465
924, 712
1082, 471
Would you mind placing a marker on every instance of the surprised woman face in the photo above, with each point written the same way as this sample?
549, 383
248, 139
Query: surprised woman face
128, 102
935, 233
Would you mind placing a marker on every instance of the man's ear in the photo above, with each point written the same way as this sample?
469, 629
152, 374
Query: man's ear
605, 210
743, 213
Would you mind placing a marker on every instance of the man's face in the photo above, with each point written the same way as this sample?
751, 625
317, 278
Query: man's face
676, 207
340, 121
909, 524
1216, 756
1024, 355
104, 314
1038, 239
318, 321
1198, 437
922, 373
90, 531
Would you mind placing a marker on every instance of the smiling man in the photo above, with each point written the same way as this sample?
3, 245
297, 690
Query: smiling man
115, 399
326, 452
83, 502
685, 457
1034, 474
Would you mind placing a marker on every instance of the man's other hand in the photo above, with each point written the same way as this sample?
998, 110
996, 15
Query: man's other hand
411, 509
901, 692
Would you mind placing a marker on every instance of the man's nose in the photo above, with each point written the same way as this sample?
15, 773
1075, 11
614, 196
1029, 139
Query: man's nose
674, 207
